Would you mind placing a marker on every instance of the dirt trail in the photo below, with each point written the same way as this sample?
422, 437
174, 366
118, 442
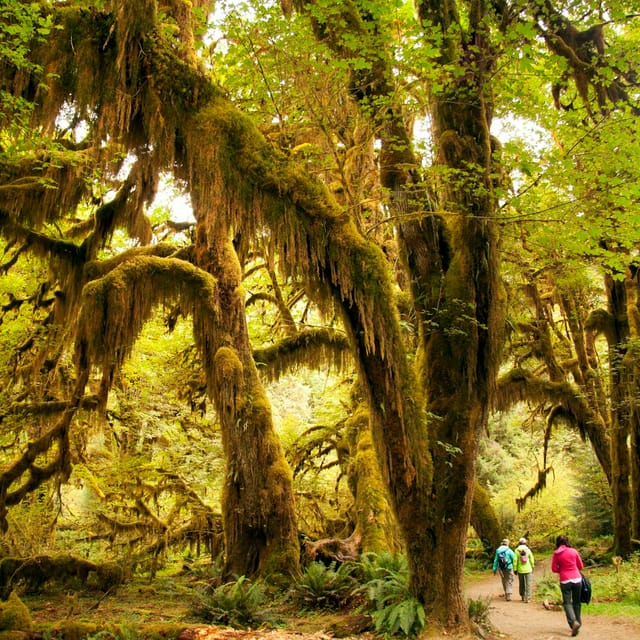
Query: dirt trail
532, 621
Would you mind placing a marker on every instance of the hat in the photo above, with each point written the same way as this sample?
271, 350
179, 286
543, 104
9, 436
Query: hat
505, 541
522, 541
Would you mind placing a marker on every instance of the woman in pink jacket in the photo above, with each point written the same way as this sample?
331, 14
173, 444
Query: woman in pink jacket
566, 562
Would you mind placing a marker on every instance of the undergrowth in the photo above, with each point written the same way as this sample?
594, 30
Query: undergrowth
386, 584
237, 604
324, 587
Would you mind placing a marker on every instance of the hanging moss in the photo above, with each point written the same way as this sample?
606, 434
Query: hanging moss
116, 306
309, 348
229, 380
44, 186
567, 404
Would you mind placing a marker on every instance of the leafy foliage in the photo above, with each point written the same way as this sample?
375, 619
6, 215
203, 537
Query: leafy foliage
592, 503
393, 608
619, 581
324, 587
237, 604
508, 466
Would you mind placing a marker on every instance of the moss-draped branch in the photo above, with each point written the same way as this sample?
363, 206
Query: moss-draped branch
27, 463
568, 403
305, 348
140, 93
116, 306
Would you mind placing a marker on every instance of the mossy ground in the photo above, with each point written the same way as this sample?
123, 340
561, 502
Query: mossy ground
139, 601
148, 606
161, 610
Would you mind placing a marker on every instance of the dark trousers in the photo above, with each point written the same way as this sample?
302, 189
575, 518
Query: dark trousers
571, 601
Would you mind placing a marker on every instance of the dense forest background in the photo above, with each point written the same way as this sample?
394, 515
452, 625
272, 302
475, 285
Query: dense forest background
305, 280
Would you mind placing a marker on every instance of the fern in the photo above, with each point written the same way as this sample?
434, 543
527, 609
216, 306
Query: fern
479, 609
322, 587
406, 616
394, 609
378, 565
236, 604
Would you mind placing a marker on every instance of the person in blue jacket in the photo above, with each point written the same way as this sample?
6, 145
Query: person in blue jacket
503, 564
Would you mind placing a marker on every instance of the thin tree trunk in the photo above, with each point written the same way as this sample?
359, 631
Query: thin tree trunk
620, 418
632, 366
635, 478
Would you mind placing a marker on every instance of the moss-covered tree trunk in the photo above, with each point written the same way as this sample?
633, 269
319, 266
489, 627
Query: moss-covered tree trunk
259, 520
620, 416
635, 475
375, 526
462, 320
484, 520
452, 265
632, 371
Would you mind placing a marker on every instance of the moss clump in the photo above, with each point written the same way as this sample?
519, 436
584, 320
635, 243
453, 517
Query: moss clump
14, 635
14, 615
70, 630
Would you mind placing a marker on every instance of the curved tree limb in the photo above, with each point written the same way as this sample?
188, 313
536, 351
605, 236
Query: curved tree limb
307, 347
520, 386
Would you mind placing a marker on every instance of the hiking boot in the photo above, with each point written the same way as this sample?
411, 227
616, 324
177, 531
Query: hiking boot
575, 628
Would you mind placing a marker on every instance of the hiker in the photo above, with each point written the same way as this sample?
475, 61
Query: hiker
503, 563
523, 567
566, 562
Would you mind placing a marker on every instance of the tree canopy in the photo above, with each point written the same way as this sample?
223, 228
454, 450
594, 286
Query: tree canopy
439, 201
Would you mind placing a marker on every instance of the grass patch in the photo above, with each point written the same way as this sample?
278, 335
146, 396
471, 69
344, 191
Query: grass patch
614, 609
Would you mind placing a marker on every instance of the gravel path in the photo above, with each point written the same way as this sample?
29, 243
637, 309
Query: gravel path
520, 621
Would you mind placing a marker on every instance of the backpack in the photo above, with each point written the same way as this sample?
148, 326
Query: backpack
524, 556
503, 563
585, 590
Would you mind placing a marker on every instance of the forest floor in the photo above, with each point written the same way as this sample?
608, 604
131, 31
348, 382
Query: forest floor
164, 605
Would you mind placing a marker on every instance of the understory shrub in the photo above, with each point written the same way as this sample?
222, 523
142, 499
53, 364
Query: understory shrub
324, 587
14, 615
547, 588
395, 611
236, 604
618, 581
479, 609
118, 632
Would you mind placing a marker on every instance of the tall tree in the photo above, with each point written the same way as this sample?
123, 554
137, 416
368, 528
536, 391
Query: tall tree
597, 110
130, 75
